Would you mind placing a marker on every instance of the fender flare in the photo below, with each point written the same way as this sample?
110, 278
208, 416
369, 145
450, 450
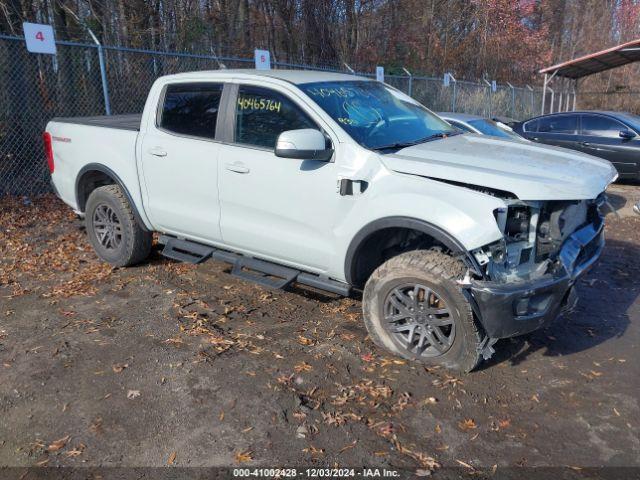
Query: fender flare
98, 167
437, 233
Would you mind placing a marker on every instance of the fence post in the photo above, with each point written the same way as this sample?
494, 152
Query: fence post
533, 107
489, 90
513, 100
453, 94
103, 76
103, 70
351, 70
410, 81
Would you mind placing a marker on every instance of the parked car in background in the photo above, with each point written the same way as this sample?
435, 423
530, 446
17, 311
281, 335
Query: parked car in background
609, 135
477, 124
508, 121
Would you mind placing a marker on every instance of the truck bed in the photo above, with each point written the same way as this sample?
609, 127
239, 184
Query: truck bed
129, 121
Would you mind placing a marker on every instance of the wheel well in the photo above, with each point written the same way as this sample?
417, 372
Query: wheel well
88, 182
383, 244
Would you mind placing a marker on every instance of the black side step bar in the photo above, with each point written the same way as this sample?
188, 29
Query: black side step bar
264, 273
267, 274
184, 250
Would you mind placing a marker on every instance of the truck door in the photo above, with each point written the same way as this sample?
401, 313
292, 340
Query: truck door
179, 158
279, 208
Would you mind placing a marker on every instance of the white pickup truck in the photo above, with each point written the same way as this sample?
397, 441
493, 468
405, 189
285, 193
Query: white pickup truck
341, 183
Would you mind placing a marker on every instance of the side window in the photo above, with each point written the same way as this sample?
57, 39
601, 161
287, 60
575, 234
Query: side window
263, 114
191, 109
599, 126
567, 124
531, 126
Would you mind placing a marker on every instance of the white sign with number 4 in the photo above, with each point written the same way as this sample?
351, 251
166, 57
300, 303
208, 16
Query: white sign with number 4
39, 38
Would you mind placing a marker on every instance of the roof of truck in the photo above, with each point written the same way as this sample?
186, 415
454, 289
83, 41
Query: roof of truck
292, 76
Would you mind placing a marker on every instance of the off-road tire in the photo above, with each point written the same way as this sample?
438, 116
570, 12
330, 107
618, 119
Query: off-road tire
440, 273
135, 241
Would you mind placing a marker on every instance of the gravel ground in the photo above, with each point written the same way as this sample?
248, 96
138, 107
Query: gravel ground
176, 365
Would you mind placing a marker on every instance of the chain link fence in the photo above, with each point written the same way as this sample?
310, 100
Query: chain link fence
36, 88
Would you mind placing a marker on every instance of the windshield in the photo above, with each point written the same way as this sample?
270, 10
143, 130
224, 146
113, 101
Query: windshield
375, 115
632, 119
489, 127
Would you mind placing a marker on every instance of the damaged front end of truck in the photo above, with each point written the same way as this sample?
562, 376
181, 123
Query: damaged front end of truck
529, 275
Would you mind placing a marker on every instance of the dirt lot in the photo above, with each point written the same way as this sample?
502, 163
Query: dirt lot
173, 364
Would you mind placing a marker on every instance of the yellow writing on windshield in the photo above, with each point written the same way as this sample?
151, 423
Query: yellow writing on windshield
347, 121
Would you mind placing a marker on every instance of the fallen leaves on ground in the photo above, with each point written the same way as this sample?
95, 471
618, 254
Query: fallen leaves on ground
76, 451
314, 451
119, 367
61, 263
244, 456
58, 444
348, 446
302, 340
133, 394
466, 465
302, 367
96, 426
467, 424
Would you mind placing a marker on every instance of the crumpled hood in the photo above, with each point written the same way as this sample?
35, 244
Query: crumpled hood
531, 171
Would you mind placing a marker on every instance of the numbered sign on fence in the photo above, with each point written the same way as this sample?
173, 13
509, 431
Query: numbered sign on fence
263, 60
380, 74
39, 38
494, 86
446, 80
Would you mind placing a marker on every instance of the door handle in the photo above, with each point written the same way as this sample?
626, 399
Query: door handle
157, 152
585, 144
236, 167
536, 139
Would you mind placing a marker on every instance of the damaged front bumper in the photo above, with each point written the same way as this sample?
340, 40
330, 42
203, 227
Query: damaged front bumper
510, 309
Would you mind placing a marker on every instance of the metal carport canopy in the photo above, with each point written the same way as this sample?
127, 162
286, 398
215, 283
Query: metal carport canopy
584, 66
597, 62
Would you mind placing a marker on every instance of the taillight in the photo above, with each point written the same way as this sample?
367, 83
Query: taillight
48, 149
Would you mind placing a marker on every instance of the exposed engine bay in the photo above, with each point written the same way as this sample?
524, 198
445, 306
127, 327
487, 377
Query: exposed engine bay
534, 233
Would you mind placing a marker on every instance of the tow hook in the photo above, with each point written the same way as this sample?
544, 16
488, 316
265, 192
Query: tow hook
486, 347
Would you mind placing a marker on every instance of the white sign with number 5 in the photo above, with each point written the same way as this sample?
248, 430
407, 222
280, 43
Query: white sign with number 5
39, 38
263, 60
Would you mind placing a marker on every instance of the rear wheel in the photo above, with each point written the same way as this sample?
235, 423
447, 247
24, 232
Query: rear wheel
113, 230
414, 307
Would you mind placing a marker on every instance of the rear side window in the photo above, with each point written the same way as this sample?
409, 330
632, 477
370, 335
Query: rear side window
263, 114
567, 124
191, 109
601, 126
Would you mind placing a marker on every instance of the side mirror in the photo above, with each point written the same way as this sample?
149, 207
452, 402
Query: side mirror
627, 134
304, 144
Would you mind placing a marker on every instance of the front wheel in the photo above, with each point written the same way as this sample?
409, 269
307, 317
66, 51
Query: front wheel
113, 230
414, 307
